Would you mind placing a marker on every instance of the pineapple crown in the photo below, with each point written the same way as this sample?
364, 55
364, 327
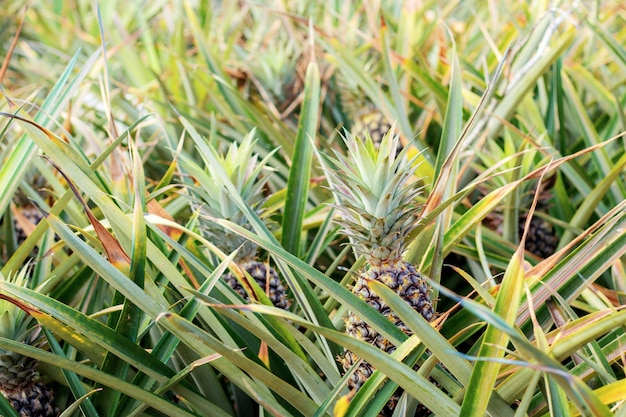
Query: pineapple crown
276, 69
15, 324
375, 196
241, 168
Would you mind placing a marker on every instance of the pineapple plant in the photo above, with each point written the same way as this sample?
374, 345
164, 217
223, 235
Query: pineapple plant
19, 381
273, 77
241, 167
375, 196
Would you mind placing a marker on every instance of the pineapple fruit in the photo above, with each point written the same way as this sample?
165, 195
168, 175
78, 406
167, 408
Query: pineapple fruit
375, 196
541, 239
366, 117
24, 217
241, 167
19, 381
373, 122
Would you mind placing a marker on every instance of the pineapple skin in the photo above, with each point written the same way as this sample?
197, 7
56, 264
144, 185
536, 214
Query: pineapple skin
19, 384
541, 239
267, 278
374, 124
35, 401
409, 284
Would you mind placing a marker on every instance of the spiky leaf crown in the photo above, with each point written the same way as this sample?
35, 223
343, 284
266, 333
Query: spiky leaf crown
375, 196
242, 168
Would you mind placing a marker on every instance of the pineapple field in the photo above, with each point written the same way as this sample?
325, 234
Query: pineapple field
300, 208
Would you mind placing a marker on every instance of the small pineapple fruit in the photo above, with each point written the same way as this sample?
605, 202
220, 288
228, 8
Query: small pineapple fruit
374, 123
241, 168
366, 117
19, 380
541, 239
375, 196
24, 217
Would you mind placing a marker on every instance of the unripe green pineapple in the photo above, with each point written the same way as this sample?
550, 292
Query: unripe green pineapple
19, 380
241, 168
375, 196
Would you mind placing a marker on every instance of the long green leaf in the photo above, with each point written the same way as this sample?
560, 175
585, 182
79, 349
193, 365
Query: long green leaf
72, 379
6, 409
446, 184
14, 167
495, 341
300, 172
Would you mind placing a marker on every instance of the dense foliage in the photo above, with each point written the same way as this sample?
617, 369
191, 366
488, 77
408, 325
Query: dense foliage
123, 211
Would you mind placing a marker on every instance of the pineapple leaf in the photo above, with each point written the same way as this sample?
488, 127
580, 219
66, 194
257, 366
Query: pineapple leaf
485, 373
56, 101
438, 345
6, 409
78, 390
300, 172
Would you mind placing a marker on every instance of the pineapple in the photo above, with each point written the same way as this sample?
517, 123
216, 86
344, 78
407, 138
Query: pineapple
367, 118
541, 239
19, 380
241, 167
375, 197
24, 217
373, 122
